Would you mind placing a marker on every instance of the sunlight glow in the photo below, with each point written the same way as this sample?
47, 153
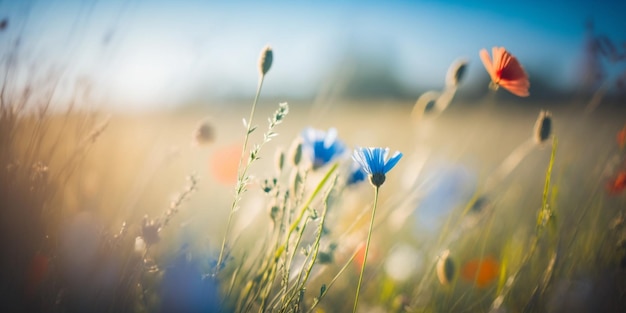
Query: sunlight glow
150, 71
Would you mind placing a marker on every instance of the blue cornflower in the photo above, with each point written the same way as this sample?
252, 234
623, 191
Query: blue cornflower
321, 146
185, 289
356, 174
374, 162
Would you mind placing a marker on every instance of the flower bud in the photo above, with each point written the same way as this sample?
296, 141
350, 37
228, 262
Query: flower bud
456, 72
265, 60
445, 268
204, 133
295, 182
295, 152
543, 127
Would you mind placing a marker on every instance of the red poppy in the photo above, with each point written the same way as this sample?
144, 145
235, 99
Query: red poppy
621, 137
482, 272
225, 164
360, 255
506, 71
617, 184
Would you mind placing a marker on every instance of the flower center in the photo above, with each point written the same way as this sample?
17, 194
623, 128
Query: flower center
377, 179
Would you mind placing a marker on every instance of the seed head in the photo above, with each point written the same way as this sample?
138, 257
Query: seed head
205, 133
295, 152
543, 127
265, 60
377, 179
295, 181
456, 72
445, 268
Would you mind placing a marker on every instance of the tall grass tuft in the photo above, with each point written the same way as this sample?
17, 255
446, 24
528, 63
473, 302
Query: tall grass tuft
265, 63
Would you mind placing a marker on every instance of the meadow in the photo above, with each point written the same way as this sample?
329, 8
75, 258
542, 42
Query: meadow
162, 212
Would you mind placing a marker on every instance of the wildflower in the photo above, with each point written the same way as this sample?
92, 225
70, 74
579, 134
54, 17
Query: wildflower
322, 146
621, 137
374, 162
505, 71
617, 184
359, 258
265, 60
482, 271
543, 126
184, 289
356, 174
225, 163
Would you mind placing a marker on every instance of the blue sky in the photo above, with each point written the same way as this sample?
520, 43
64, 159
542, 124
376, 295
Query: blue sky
149, 53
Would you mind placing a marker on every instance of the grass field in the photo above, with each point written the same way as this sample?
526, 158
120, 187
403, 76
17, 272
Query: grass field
100, 212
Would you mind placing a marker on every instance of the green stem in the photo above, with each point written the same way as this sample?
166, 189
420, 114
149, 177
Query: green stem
367, 248
241, 176
546, 187
303, 210
332, 281
545, 209
316, 246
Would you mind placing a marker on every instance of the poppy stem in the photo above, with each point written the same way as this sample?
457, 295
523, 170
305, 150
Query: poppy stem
367, 248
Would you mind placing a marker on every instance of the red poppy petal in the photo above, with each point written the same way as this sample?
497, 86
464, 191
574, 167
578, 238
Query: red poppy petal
506, 71
481, 272
513, 70
517, 87
484, 56
225, 164
621, 137
617, 185
498, 58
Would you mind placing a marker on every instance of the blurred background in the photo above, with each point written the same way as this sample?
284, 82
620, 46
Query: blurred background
110, 96
162, 54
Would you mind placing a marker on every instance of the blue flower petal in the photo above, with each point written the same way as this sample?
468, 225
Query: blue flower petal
392, 161
368, 156
356, 174
359, 157
374, 160
330, 138
322, 147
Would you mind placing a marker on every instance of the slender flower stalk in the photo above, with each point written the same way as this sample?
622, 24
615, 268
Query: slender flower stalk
303, 210
440, 100
375, 163
367, 249
265, 63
